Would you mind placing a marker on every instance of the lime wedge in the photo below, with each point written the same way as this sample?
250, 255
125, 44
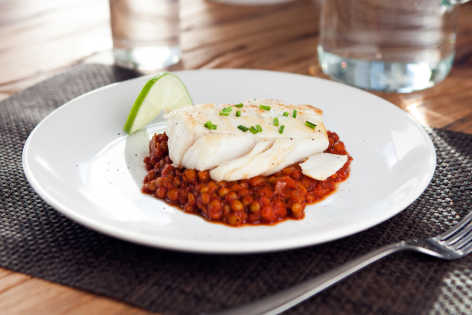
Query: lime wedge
164, 92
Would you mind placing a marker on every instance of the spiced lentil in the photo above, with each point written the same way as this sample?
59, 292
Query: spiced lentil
258, 200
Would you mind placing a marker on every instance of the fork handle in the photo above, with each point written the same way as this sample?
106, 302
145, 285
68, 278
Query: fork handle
290, 297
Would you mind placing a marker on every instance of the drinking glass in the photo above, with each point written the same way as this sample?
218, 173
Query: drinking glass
387, 45
145, 33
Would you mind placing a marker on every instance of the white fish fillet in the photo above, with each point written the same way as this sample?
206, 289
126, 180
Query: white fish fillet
212, 149
300, 149
322, 165
231, 154
234, 169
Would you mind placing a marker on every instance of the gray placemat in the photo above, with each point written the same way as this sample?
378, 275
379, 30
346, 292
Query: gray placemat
37, 240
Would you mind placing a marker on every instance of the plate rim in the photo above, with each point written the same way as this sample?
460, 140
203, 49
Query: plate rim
194, 246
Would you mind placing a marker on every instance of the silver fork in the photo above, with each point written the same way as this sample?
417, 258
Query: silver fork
453, 244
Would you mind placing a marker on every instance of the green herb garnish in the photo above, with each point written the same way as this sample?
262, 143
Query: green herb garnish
310, 124
285, 114
281, 129
294, 114
210, 125
259, 128
253, 129
225, 111
276, 121
239, 105
243, 128
238, 113
264, 107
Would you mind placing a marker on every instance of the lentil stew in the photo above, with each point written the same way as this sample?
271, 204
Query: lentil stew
258, 200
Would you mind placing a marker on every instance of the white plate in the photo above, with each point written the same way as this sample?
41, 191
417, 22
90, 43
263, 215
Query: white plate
81, 163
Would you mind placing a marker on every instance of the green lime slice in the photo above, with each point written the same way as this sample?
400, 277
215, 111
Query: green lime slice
164, 92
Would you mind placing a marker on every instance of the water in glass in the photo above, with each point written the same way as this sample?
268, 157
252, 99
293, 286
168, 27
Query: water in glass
388, 45
145, 33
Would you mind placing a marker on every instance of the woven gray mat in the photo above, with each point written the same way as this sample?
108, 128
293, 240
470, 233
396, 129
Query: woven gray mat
37, 240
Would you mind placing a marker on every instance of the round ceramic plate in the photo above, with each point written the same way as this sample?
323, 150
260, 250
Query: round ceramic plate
81, 163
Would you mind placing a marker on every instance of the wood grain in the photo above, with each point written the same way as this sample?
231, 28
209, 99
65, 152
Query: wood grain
34, 296
42, 38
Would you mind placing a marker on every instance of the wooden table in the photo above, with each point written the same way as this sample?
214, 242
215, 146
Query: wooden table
42, 38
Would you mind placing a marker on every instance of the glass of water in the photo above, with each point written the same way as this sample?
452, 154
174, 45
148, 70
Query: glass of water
145, 33
387, 45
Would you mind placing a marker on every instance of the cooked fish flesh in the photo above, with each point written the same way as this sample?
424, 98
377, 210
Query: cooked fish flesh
259, 137
322, 165
238, 168
212, 149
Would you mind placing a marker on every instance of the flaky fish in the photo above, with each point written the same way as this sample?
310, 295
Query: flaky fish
258, 137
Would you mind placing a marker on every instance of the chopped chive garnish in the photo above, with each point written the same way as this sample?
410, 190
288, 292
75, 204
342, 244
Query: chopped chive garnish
225, 111
239, 105
243, 128
276, 121
264, 107
294, 114
210, 125
310, 124
238, 113
281, 129
285, 114
255, 129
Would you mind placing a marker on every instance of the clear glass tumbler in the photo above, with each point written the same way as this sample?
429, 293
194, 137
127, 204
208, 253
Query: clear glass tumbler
145, 33
387, 45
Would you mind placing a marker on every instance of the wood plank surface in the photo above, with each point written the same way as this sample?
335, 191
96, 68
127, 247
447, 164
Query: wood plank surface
42, 38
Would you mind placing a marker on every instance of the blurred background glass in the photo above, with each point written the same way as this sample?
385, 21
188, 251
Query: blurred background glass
145, 33
389, 45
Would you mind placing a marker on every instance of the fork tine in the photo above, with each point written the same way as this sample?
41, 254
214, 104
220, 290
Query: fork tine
467, 249
456, 229
461, 241
459, 238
